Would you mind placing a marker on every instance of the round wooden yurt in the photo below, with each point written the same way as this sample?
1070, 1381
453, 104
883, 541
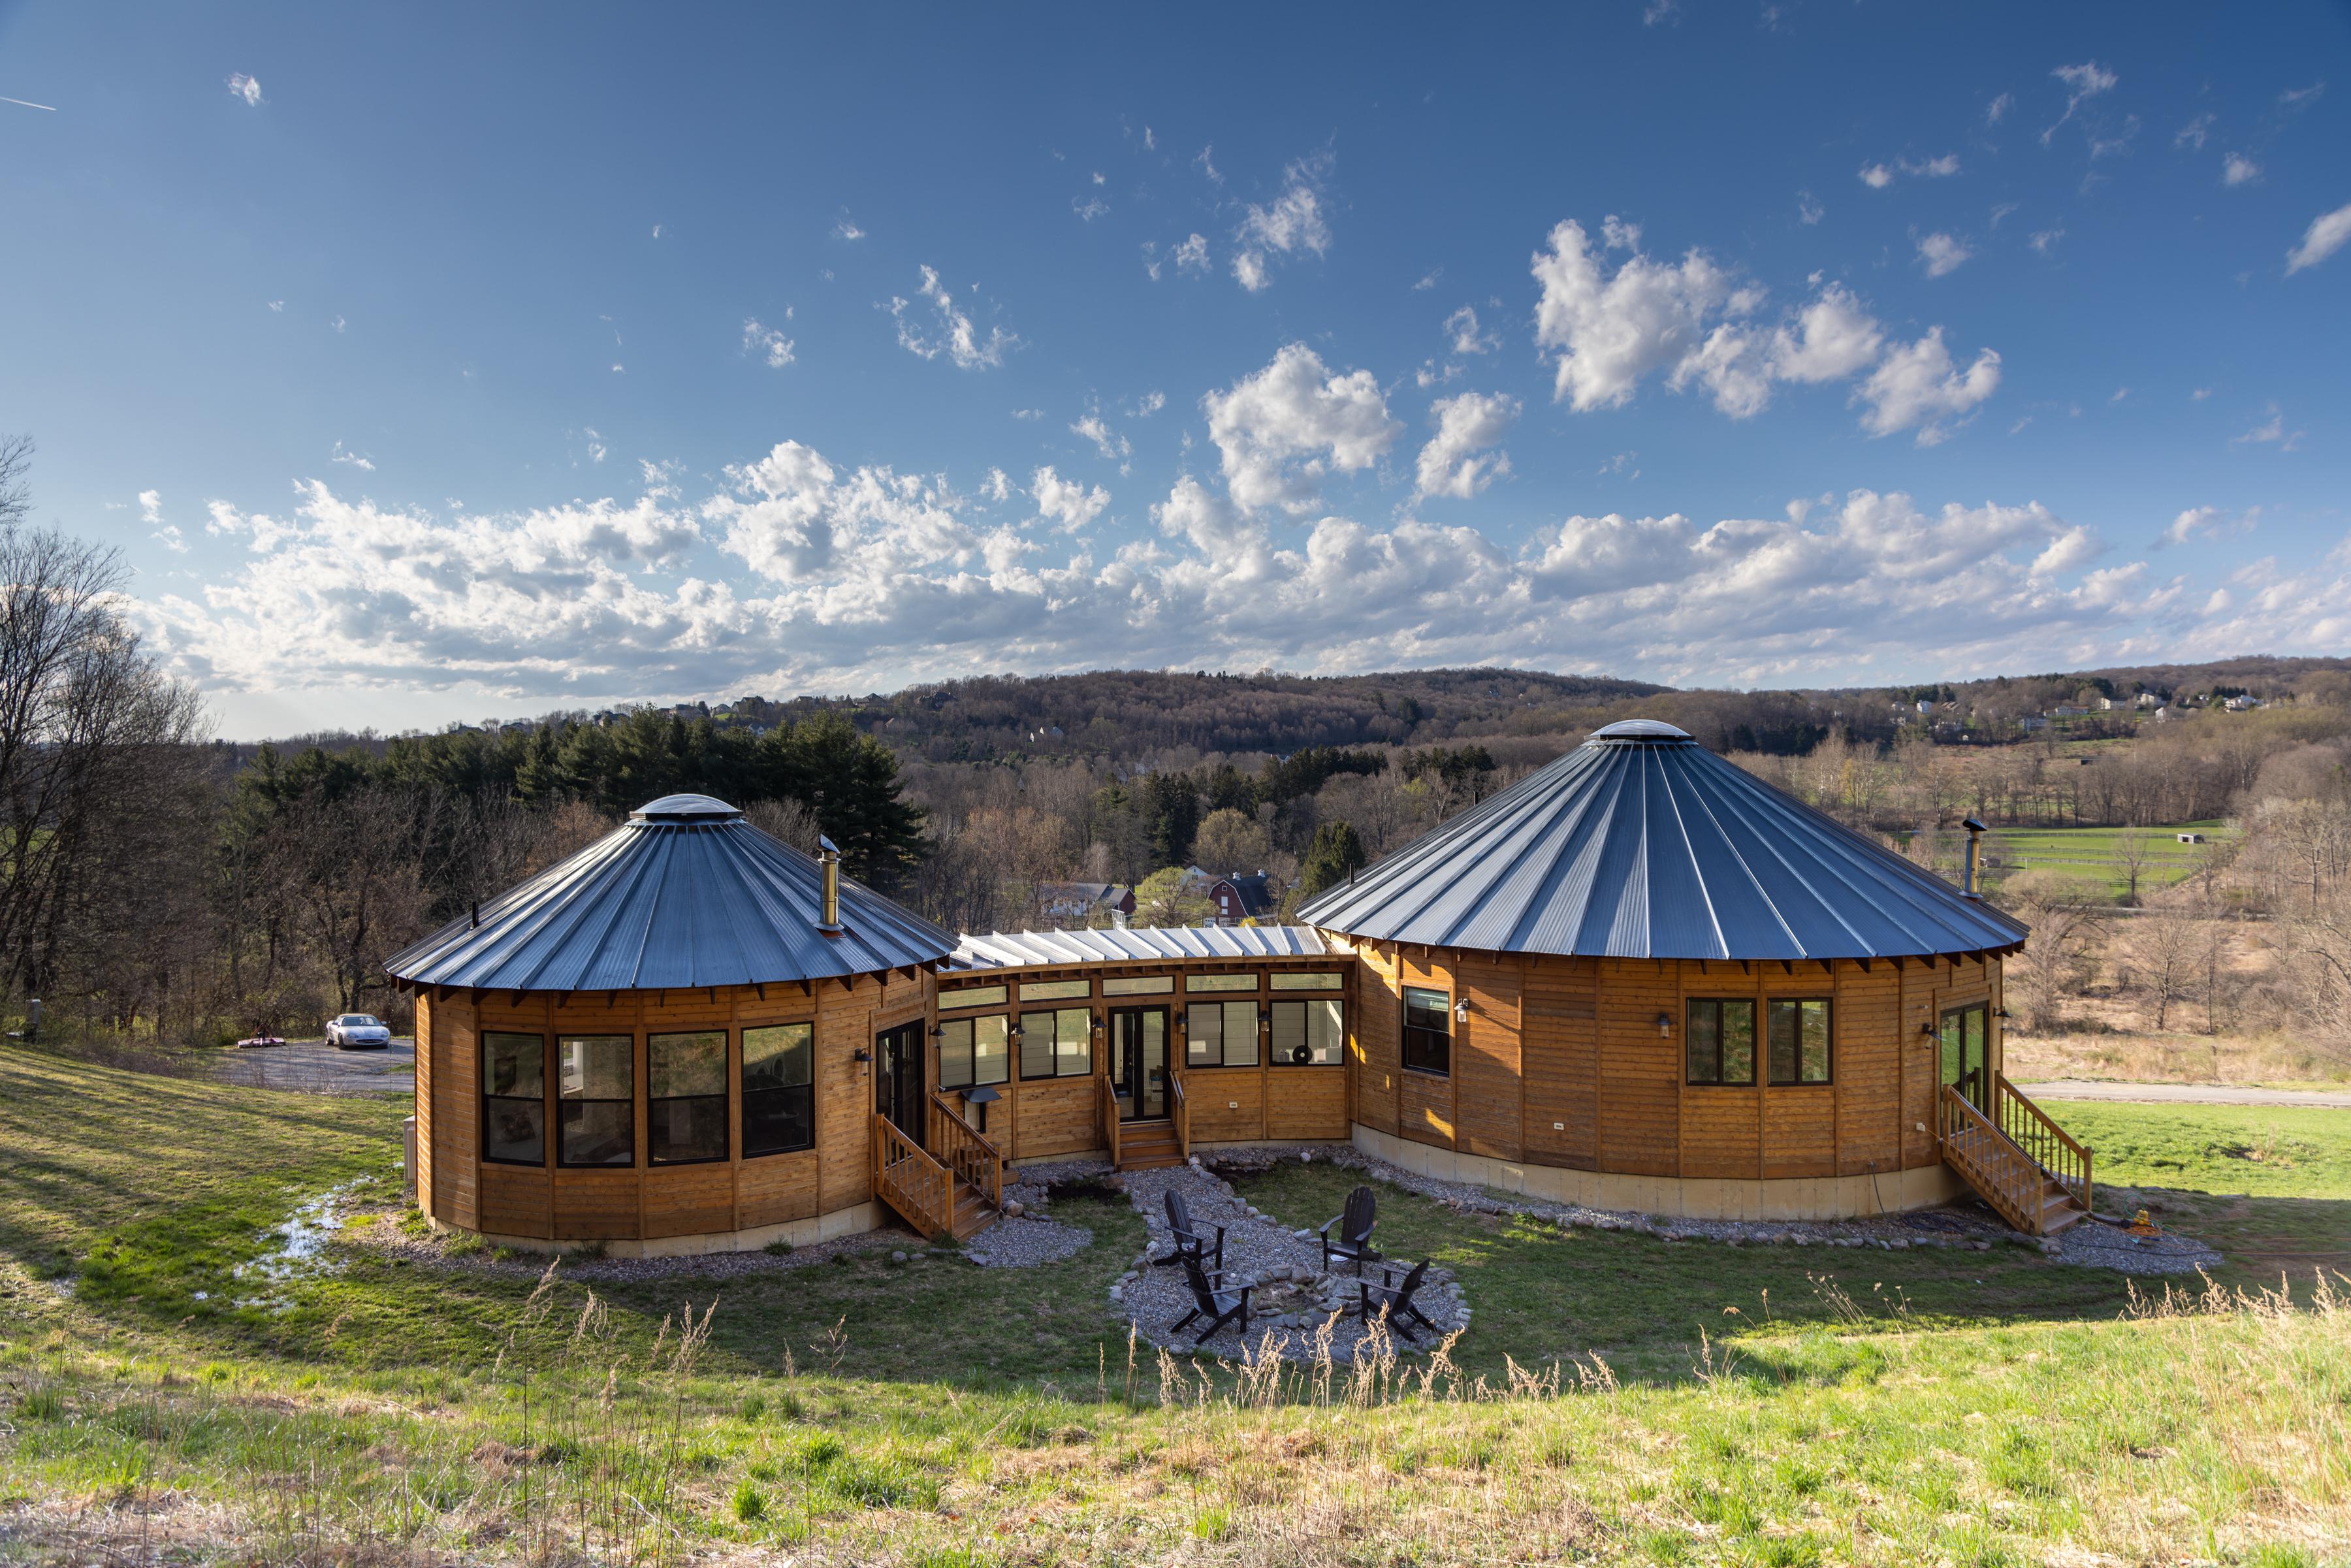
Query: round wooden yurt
1641, 979
665, 1043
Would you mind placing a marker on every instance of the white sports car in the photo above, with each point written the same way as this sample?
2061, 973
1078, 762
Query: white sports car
358, 1031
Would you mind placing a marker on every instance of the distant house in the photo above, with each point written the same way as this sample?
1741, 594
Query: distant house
2239, 705
2065, 710
2148, 699
1239, 898
2032, 723
2189, 838
1077, 903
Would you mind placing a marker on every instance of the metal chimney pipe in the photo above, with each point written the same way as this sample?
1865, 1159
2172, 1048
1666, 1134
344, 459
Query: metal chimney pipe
1975, 854
829, 860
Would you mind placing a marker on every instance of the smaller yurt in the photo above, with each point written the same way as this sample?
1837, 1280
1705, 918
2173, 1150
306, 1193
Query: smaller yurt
1642, 979
665, 1043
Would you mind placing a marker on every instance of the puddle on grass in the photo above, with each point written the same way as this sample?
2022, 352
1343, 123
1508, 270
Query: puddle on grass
301, 1242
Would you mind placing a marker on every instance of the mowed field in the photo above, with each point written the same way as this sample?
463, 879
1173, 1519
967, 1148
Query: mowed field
2088, 854
169, 1377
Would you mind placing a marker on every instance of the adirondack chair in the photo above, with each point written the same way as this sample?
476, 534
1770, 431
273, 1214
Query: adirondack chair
1213, 1301
1353, 1240
1372, 1296
1188, 1241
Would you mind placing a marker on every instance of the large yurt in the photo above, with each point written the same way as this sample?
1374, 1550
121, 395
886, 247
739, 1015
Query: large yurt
666, 1043
1642, 979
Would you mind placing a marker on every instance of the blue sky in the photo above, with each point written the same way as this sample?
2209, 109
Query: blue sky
428, 365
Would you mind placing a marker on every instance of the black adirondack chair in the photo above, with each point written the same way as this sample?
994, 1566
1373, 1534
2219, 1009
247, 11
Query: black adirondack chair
1213, 1301
1353, 1240
1188, 1242
1371, 1296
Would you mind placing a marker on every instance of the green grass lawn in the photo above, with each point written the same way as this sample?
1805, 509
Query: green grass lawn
2088, 854
1772, 1404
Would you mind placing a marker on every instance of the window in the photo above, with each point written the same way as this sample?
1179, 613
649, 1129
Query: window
1309, 982
975, 1050
977, 997
686, 1092
778, 1088
1427, 1031
1220, 982
1054, 990
1058, 1044
1719, 1038
1220, 1034
595, 1091
1139, 986
514, 1099
1309, 1034
1798, 1036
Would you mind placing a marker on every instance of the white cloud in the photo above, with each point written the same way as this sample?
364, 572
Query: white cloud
1833, 338
2271, 432
2083, 82
1462, 328
1089, 208
1941, 254
150, 507
336, 322
1808, 209
1067, 502
2327, 234
278, 305
1292, 223
1428, 279
1149, 404
363, 465
1607, 333
1997, 110
2205, 522
1877, 176
1454, 462
1281, 431
847, 229
1919, 386
766, 343
2069, 551
1206, 164
2238, 170
151, 512
596, 447
2044, 241
1654, 12
2194, 134
958, 340
246, 88
1192, 255
1114, 446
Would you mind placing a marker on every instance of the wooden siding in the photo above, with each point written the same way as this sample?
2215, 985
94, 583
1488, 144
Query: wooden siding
1640, 1074
1306, 1102
1867, 1065
1485, 1058
423, 1105
1559, 1042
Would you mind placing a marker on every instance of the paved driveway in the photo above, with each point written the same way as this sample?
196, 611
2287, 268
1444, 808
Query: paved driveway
2184, 1093
317, 1068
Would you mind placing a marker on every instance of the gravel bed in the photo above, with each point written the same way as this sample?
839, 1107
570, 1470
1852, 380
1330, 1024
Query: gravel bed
379, 1235
1967, 1224
1027, 1243
1310, 1309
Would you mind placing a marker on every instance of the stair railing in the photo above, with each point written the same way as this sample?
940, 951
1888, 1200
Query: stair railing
2004, 1173
910, 1181
965, 1151
1108, 1101
1181, 1109
2029, 1129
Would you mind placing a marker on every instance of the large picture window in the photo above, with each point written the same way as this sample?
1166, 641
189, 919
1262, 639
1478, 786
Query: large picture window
1220, 1034
1719, 1037
1427, 1031
685, 1097
973, 1051
1058, 1044
595, 1091
1797, 1033
778, 1088
1307, 1034
1323, 981
514, 1099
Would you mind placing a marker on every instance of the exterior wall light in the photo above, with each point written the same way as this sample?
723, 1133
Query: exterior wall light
1461, 1010
1664, 1026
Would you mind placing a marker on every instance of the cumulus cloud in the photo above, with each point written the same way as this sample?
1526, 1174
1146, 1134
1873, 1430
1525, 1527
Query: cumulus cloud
1290, 225
1917, 386
245, 89
1461, 327
2271, 432
1066, 503
1607, 331
766, 343
2205, 522
1281, 430
1940, 254
353, 459
1878, 176
2238, 170
1831, 337
1457, 461
1114, 446
954, 335
847, 229
2327, 234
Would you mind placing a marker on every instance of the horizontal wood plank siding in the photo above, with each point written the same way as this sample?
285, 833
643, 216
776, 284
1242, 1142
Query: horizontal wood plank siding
1306, 1102
1640, 1074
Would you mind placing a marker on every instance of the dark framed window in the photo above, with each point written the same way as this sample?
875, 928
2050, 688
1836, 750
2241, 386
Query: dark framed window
1720, 1038
778, 1088
1427, 1031
1056, 1044
685, 1097
1307, 1034
595, 1098
1220, 1034
513, 1098
975, 1050
1796, 1037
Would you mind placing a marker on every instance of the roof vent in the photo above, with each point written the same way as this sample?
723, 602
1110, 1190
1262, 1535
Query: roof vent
1640, 729
689, 809
828, 860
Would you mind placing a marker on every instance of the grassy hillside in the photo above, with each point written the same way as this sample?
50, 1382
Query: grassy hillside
1680, 1401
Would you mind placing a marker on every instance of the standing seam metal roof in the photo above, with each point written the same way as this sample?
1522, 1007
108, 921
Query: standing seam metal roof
1641, 843
686, 894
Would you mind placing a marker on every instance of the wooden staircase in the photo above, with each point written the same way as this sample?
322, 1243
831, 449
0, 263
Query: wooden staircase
959, 1193
1148, 1146
2027, 1168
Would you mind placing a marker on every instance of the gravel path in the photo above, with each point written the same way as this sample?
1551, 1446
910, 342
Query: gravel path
2184, 1093
1297, 1309
1027, 1243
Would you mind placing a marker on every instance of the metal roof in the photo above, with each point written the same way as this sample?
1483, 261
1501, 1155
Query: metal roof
1641, 843
687, 894
1138, 944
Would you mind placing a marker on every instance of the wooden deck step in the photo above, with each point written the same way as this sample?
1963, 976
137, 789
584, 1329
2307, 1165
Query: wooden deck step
1147, 1145
973, 1212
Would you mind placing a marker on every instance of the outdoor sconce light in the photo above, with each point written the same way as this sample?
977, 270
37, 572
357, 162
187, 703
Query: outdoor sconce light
861, 1054
1097, 1024
2001, 1013
1928, 1029
938, 1031
1664, 1026
1015, 1032
1461, 1010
